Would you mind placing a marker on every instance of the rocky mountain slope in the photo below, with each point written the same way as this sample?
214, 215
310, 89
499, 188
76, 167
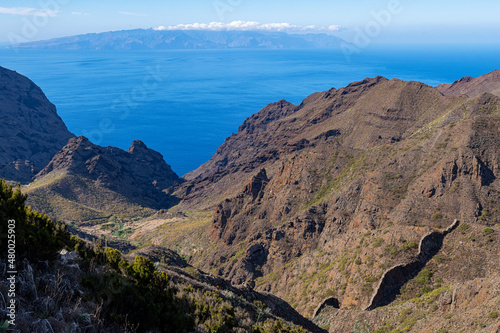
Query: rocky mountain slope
322, 200
141, 39
64, 284
471, 86
32, 132
100, 181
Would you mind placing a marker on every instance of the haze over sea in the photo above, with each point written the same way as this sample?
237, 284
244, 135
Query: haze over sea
185, 103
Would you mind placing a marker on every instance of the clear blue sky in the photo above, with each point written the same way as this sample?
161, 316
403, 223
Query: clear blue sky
411, 21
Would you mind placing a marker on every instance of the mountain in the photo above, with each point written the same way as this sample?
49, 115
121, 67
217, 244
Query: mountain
383, 192
31, 130
97, 181
141, 39
472, 86
368, 208
73, 179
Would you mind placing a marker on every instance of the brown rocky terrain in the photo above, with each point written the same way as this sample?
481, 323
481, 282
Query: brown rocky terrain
320, 200
32, 132
471, 86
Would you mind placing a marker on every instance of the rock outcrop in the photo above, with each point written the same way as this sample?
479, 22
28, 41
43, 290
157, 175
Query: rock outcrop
139, 174
31, 132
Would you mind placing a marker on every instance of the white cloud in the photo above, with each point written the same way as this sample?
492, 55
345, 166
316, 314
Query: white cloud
24, 11
80, 13
250, 25
131, 14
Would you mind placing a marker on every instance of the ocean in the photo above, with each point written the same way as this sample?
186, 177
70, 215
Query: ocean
185, 103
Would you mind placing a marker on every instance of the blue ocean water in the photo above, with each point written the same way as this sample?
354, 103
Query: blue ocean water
185, 103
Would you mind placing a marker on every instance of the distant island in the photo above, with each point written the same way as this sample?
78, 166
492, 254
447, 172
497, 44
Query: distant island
144, 39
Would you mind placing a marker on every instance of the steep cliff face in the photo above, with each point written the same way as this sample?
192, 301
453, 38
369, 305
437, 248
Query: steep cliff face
321, 200
31, 132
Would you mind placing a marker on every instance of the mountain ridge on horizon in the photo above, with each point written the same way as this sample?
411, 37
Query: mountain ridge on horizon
140, 39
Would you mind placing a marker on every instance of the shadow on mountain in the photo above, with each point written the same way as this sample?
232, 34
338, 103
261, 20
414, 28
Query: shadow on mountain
395, 278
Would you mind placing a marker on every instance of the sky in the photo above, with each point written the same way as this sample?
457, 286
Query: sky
412, 21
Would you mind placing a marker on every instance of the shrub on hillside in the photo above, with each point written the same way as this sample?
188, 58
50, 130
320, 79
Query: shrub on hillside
36, 236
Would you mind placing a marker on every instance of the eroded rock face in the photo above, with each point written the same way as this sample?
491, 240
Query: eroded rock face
31, 132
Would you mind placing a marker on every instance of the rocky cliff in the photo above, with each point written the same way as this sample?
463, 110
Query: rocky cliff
31, 131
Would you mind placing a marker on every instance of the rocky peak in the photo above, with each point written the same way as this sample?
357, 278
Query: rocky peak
139, 173
31, 132
366, 83
472, 87
72, 156
272, 112
137, 145
142, 153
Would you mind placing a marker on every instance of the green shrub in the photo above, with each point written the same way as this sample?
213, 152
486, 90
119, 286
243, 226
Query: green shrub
392, 250
371, 278
344, 261
404, 314
277, 326
367, 287
143, 269
424, 277
409, 246
488, 231
485, 214
463, 228
113, 256
377, 242
436, 216
37, 237
387, 328
493, 315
